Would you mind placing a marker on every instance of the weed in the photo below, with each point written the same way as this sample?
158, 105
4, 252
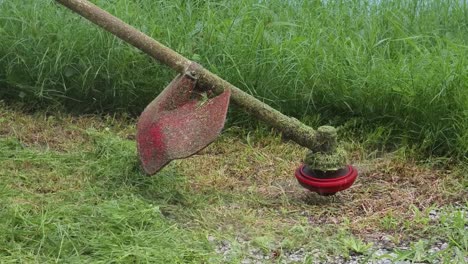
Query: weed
389, 222
355, 245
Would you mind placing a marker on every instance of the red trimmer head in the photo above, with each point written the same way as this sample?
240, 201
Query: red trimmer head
326, 183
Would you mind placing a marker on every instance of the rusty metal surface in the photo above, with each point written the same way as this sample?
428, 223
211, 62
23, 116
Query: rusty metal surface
181, 121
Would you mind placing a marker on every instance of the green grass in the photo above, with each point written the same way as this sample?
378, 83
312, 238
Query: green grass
71, 191
396, 66
80, 207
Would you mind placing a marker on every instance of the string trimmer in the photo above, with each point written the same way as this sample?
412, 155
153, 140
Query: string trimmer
190, 113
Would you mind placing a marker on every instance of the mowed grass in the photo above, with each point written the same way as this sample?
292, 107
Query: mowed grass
395, 69
71, 190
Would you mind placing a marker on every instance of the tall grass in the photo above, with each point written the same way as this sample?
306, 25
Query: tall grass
400, 65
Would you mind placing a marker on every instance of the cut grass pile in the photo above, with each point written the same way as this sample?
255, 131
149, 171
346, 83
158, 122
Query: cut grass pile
398, 68
71, 190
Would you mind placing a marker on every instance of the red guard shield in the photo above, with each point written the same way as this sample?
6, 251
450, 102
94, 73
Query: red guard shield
178, 123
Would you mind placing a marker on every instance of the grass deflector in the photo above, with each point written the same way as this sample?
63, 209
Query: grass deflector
190, 113
182, 120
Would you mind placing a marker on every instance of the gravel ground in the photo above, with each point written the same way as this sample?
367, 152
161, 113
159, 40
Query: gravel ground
381, 255
383, 252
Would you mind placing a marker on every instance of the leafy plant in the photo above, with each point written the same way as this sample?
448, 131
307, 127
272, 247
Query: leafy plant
356, 245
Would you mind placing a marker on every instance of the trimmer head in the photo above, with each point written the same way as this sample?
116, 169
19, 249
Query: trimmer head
181, 121
326, 182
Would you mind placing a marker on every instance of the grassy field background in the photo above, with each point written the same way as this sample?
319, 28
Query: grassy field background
391, 72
